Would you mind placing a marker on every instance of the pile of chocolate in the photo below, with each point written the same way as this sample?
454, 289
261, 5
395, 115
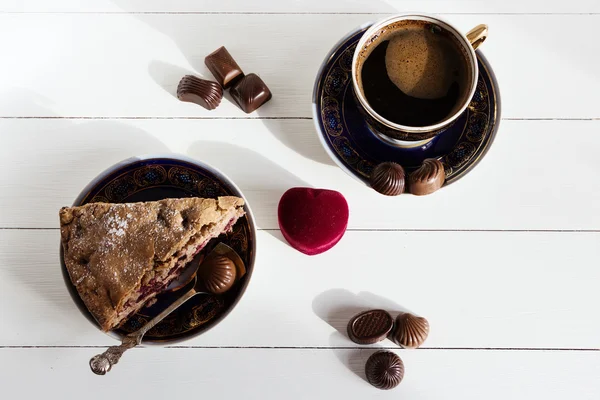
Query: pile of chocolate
384, 369
388, 178
248, 91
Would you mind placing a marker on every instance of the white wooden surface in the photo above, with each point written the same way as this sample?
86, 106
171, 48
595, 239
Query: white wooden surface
130, 64
503, 263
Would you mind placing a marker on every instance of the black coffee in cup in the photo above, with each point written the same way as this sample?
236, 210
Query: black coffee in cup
414, 73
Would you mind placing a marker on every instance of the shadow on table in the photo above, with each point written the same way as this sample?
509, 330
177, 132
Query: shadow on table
62, 156
354, 359
262, 181
336, 307
168, 75
196, 37
306, 143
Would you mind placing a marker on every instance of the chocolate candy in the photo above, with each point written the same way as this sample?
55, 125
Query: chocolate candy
428, 178
205, 93
411, 331
388, 178
250, 93
217, 273
370, 327
384, 370
223, 67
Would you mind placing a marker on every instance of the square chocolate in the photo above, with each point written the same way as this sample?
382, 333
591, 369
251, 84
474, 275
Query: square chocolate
223, 67
250, 93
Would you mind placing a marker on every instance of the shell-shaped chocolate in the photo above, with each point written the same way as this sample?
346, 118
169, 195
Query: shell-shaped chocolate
250, 93
370, 327
207, 94
388, 178
428, 178
217, 274
411, 331
384, 370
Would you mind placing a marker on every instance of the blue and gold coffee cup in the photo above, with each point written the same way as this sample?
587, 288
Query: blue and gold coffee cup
413, 75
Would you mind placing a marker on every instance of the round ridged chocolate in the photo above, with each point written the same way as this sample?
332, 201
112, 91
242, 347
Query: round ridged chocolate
370, 327
207, 94
388, 178
428, 178
411, 331
384, 370
217, 274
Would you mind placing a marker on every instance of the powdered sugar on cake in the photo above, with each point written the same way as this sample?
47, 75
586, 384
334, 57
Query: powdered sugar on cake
117, 225
119, 256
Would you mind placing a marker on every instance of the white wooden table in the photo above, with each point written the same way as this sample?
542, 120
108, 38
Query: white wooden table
504, 263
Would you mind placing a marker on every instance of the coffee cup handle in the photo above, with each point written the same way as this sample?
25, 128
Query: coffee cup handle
477, 35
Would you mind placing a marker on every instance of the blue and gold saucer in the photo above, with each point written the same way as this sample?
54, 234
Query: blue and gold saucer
155, 178
350, 142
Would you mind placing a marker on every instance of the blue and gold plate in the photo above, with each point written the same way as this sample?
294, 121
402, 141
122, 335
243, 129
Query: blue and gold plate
156, 178
352, 144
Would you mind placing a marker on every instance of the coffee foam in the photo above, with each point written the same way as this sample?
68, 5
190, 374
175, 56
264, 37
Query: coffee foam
423, 71
422, 64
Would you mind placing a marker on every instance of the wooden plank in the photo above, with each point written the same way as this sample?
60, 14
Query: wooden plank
307, 374
313, 6
528, 181
478, 290
129, 65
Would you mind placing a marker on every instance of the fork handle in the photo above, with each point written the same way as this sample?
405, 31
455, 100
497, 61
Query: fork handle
102, 363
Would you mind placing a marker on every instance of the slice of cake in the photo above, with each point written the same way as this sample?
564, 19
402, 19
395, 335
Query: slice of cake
120, 256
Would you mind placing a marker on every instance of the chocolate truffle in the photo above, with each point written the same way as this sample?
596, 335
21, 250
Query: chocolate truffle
217, 273
250, 93
370, 327
410, 331
388, 178
428, 178
223, 67
207, 94
384, 370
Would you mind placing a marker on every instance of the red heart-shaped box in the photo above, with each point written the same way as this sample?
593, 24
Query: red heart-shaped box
313, 220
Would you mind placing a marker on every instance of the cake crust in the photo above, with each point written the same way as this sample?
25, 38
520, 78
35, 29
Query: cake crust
112, 250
